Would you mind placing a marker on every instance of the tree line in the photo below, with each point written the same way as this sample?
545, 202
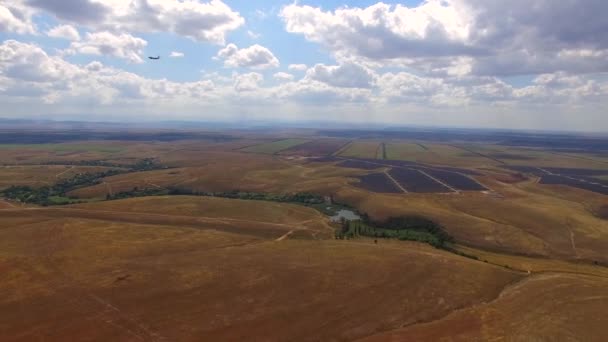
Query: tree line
57, 194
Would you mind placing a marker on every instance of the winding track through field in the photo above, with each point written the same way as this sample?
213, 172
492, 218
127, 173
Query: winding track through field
67, 170
198, 222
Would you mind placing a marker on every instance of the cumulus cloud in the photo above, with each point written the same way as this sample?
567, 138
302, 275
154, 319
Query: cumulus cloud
123, 46
67, 32
202, 21
255, 57
176, 54
463, 36
14, 17
30, 75
348, 75
27, 66
248, 82
283, 76
384, 31
297, 67
77, 11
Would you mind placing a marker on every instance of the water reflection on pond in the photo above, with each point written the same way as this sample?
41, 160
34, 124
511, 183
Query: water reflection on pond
346, 214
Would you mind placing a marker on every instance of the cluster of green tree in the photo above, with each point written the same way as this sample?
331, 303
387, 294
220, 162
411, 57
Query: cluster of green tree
410, 228
137, 192
86, 163
43, 196
146, 164
56, 194
301, 198
83, 179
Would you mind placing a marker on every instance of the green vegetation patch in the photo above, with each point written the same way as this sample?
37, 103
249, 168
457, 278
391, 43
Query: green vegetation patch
410, 228
57, 193
275, 146
404, 151
362, 149
65, 147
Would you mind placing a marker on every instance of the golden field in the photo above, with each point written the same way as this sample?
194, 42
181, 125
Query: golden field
191, 268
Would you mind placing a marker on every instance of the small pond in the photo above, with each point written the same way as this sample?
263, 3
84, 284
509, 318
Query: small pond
346, 214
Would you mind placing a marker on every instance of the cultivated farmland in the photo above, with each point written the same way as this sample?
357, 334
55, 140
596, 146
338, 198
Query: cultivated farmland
415, 181
321, 147
378, 182
363, 150
275, 146
211, 241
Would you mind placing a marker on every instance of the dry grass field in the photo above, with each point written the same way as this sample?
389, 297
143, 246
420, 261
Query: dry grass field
275, 146
362, 149
169, 282
568, 307
191, 268
41, 175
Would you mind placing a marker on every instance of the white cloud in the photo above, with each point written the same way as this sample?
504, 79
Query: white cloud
27, 66
348, 75
248, 82
283, 76
459, 37
16, 18
176, 54
384, 31
202, 21
253, 35
32, 78
27, 62
123, 46
68, 32
255, 57
297, 67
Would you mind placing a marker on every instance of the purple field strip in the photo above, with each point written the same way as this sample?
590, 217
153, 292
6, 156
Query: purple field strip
356, 164
457, 170
378, 182
316, 148
559, 180
414, 181
456, 180
327, 159
576, 172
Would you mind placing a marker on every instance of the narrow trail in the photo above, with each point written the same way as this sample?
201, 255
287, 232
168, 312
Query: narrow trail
508, 289
67, 170
154, 185
572, 243
285, 236
78, 297
8, 203
109, 188
198, 222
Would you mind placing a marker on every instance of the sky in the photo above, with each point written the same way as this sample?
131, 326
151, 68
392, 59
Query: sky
516, 64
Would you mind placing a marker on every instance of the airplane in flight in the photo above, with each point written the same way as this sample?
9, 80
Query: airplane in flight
154, 58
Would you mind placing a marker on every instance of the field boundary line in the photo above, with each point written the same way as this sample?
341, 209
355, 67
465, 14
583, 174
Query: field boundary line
395, 181
342, 149
438, 181
479, 154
